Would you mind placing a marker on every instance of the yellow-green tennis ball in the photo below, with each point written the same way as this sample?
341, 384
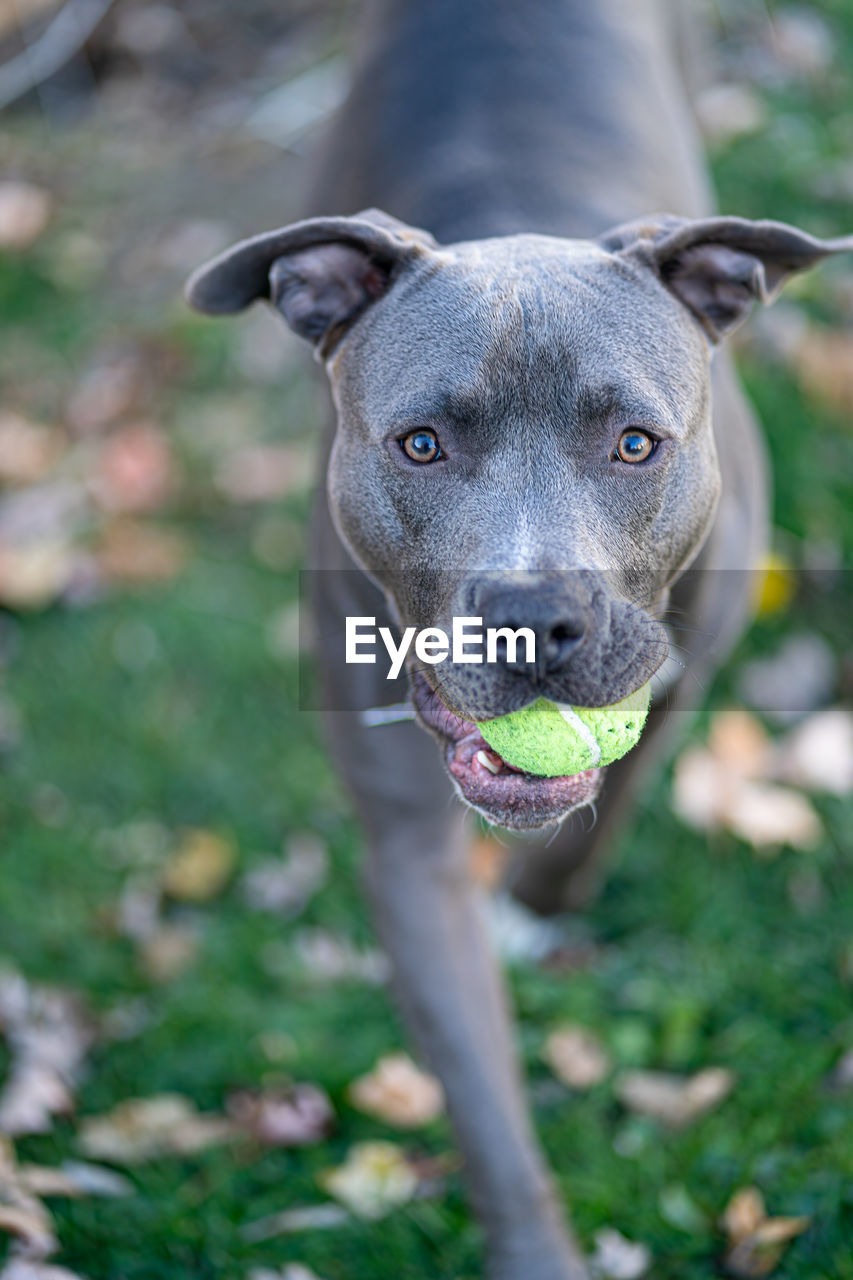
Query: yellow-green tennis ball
552, 739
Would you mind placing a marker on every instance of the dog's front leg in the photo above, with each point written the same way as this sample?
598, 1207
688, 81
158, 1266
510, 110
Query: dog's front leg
450, 992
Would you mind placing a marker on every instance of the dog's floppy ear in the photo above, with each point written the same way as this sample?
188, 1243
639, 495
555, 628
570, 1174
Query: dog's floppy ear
719, 266
320, 274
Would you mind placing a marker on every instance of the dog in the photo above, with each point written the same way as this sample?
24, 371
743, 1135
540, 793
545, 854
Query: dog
535, 425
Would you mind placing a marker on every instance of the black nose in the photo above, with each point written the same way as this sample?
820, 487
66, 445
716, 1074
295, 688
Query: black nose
558, 628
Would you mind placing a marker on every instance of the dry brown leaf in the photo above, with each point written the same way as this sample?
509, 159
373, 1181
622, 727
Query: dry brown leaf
144, 1128
297, 1116
107, 392
818, 754
25, 212
744, 1212
398, 1092
22, 1214
48, 1034
327, 957
576, 1056
28, 450
262, 473
200, 866
168, 952
45, 1180
740, 742
284, 885
302, 1217
823, 361
134, 470
762, 814
374, 1179
675, 1100
135, 554
708, 794
756, 1242
33, 574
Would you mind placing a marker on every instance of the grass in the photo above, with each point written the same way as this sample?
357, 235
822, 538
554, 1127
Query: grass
706, 954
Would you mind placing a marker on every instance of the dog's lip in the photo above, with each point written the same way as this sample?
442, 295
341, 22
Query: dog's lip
505, 795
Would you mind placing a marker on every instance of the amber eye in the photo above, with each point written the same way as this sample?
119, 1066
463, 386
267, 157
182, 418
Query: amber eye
634, 446
421, 446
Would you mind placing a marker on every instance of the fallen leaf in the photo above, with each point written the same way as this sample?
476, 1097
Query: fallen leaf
25, 211
743, 1213
708, 794
168, 952
135, 554
675, 1100
374, 1179
22, 1214
740, 742
144, 1128
48, 1033
801, 40
327, 957
793, 681
293, 1271
33, 574
823, 362
617, 1258
756, 1242
97, 1180
763, 815
297, 1116
112, 389
134, 471
262, 473
729, 111
200, 867
398, 1092
302, 1217
31, 1224
576, 1056
284, 885
28, 450
775, 581
818, 754
46, 1180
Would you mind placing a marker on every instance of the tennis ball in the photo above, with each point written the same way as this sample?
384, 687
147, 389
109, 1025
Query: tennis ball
553, 739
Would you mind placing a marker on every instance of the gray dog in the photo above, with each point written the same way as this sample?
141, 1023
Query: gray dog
534, 426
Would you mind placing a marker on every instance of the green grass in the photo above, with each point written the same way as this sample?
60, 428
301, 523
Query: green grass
707, 954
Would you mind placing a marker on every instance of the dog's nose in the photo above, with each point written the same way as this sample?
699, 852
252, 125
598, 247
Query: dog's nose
558, 628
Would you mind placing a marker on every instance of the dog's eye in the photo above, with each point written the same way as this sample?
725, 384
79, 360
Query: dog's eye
421, 446
634, 446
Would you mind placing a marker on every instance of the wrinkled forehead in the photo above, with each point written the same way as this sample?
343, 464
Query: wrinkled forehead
523, 320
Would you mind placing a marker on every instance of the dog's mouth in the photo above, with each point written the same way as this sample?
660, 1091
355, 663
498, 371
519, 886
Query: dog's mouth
505, 795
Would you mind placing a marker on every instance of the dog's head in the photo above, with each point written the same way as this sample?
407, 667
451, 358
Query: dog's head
524, 435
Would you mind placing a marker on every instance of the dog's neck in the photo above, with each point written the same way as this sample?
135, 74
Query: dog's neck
559, 116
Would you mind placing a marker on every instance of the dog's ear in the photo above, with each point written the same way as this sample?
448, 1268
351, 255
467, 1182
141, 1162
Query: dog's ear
320, 274
718, 267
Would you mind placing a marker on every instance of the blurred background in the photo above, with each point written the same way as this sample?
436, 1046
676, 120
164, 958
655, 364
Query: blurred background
201, 1072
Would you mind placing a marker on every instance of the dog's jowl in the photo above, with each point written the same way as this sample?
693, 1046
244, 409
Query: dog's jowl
535, 427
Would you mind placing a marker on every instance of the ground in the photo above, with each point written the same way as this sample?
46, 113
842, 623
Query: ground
138, 703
